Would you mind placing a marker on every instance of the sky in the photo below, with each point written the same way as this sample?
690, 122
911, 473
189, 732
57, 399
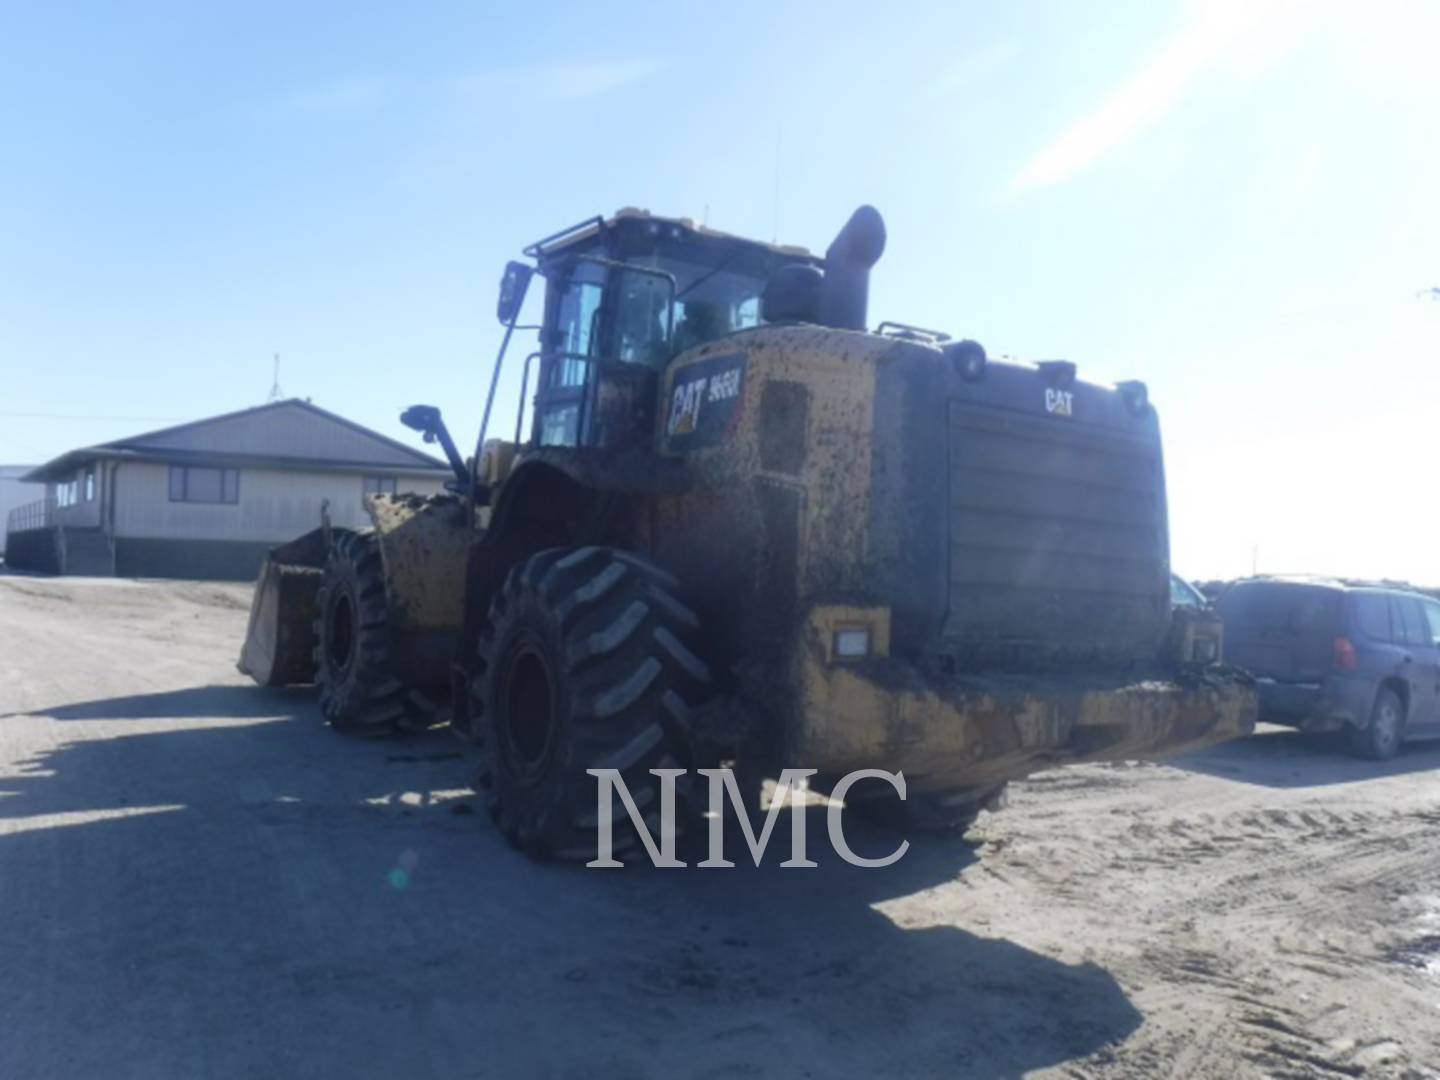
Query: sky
1238, 203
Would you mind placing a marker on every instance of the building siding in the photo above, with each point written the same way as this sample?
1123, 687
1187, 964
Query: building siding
275, 505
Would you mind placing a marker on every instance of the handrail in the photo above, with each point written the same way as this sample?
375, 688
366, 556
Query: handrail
35, 515
524, 385
537, 249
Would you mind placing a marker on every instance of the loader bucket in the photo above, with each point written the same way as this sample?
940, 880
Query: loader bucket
279, 645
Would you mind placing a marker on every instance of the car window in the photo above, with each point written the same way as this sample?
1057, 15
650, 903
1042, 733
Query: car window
1407, 617
1372, 612
1432, 617
1282, 606
1183, 594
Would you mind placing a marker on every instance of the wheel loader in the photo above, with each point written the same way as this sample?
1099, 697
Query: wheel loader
740, 525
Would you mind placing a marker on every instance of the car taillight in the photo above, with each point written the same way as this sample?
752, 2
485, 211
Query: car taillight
1344, 654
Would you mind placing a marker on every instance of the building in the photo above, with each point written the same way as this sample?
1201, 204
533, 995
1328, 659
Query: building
209, 498
13, 492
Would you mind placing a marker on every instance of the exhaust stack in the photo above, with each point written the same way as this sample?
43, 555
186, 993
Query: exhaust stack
845, 296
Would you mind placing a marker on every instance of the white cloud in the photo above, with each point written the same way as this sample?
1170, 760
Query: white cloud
1217, 31
559, 81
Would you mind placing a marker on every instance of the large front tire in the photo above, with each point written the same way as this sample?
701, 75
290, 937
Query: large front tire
360, 693
587, 661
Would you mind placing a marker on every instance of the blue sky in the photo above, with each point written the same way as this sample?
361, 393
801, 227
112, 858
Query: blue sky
1236, 202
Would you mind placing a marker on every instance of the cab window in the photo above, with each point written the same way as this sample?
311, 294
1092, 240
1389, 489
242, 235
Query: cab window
643, 320
569, 353
577, 323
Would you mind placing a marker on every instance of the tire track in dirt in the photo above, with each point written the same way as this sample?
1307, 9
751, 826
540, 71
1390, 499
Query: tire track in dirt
1267, 934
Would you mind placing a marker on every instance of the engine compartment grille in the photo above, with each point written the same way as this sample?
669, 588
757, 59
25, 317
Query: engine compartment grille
1057, 544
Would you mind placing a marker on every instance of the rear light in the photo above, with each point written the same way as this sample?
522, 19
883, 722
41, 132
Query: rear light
852, 642
1344, 654
968, 358
1135, 395
1058, 373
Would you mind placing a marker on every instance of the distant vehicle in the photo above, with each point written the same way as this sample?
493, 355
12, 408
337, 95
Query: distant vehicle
1332, 656
1183, 594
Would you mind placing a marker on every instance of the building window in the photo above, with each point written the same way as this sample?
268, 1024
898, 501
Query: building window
66, 494
90, 485
379, 485
191, 484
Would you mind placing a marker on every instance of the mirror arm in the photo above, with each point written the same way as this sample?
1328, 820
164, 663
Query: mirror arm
427, 420
494, 382
452, 454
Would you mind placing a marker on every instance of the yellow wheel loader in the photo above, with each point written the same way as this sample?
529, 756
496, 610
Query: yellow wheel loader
740, 525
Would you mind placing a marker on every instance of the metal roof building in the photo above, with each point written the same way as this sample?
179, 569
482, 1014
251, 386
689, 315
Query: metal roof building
207, 499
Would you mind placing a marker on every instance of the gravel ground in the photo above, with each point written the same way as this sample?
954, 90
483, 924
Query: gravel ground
198, 879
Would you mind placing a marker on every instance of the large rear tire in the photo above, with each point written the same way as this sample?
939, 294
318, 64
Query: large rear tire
587, 660
360, 693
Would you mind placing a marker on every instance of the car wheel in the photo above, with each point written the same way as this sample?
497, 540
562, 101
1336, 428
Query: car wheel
1380, 739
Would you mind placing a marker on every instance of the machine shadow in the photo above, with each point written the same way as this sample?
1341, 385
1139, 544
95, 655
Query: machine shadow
1280, 757
223, 701
843, 949
272, 897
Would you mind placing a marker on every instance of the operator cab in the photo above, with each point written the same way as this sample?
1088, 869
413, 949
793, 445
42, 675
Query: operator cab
623, 298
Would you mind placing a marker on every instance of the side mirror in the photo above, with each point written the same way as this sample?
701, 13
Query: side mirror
513, 287
422, 418
426, 420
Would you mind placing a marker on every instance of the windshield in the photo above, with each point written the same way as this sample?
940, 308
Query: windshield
711, 300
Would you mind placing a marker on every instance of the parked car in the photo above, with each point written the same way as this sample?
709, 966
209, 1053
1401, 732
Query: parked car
1332, 656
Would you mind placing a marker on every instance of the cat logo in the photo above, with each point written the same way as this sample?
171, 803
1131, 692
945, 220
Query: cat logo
685, 408
1059, 402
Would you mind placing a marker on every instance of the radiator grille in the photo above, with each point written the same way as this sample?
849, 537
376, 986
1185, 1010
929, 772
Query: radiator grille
1056, 536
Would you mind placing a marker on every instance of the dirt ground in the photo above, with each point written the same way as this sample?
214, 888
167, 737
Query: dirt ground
198, 879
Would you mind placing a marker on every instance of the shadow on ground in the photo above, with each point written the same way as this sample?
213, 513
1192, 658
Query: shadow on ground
1282, 757
265, 897
211, 702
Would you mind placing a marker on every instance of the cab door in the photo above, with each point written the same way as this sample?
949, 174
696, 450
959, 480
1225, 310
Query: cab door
568, 354
609, 335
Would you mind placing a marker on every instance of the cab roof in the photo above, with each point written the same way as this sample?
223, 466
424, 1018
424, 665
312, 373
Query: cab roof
630, 217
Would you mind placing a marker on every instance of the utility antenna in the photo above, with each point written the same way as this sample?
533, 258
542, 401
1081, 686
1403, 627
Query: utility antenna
275, 392
775, 238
